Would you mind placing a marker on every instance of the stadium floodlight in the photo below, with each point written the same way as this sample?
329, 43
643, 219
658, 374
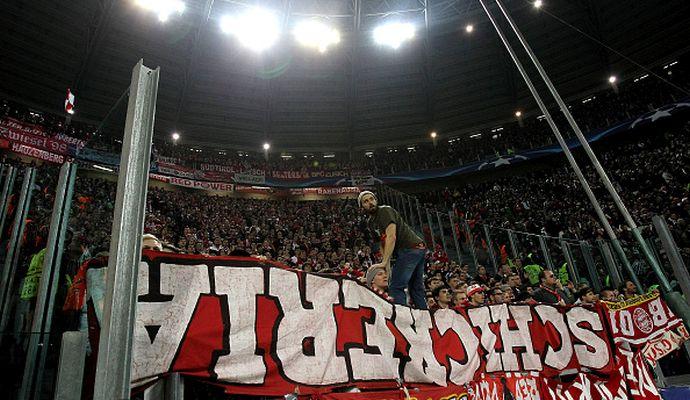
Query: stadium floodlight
394, 34
433, 135
316, 34
175, 136
518, 113
257, 28
538, 3
469, 28
163, 8
267, 146
612, 79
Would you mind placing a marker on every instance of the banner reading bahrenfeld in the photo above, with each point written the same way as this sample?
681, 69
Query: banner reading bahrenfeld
259, 328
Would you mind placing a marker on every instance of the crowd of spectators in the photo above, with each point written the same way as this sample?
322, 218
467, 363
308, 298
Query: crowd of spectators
614, 104
601, 110
652, 175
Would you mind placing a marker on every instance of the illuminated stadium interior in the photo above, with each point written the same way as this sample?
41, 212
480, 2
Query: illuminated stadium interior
345, 199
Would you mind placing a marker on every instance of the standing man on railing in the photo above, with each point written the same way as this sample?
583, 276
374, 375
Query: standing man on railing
396, 236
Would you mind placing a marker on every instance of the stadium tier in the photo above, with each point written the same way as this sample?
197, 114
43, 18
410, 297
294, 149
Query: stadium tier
376, 199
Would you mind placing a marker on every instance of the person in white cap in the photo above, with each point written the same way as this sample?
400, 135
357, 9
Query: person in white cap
475, 295
397, 238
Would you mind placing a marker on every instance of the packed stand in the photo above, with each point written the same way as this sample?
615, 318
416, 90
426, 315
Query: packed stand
600, 110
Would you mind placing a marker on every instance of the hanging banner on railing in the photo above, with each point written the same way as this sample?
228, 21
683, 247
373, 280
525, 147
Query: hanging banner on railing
194, 184
646, 323
34, 136
38, 153
262, 329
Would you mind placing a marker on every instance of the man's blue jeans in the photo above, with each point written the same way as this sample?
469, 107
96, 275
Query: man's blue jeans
408, 272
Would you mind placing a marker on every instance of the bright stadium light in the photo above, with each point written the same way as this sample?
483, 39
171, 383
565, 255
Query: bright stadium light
393, 34
175, 136
612, 79
267, 146
538, 3
469, 28
316, 34
433, 135
163, 8
257, 29
518, 113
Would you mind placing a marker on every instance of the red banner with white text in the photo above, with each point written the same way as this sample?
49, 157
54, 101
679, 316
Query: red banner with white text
262, 329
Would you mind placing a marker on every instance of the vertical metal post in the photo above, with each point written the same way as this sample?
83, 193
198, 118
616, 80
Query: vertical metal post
653, 250
71, 365
45, 298
513, 244
115, 347
572, 269
490, 246
7, 186
610, 262
14, 247
398, 204
431, 229
626, 264
419, 215
174, 387
410, 214
443, 235
470, 241
545, 252
456, 242
680, 271
589, 260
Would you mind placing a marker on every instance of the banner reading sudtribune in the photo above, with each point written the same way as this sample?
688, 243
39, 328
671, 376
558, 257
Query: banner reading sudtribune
263, 329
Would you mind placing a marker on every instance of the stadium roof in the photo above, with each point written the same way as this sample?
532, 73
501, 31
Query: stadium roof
355, 95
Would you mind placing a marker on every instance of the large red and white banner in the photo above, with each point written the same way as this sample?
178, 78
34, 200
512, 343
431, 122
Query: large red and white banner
34, 136
646, 323
259, 328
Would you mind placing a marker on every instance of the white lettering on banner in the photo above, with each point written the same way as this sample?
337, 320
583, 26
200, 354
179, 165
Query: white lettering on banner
516, 338
165, 307
242, 286
306, 341
460, 373
594, 352
659, 316
71, 140
378, 363
557, 359
190, 183
157, 177
416, 326
37, 153
330, 331
481, 318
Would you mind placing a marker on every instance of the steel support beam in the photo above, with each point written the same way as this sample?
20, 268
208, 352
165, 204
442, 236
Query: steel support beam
7, 187
48, 286
115, 347
14, 247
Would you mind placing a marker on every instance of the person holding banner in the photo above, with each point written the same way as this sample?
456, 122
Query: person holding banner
397, 237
